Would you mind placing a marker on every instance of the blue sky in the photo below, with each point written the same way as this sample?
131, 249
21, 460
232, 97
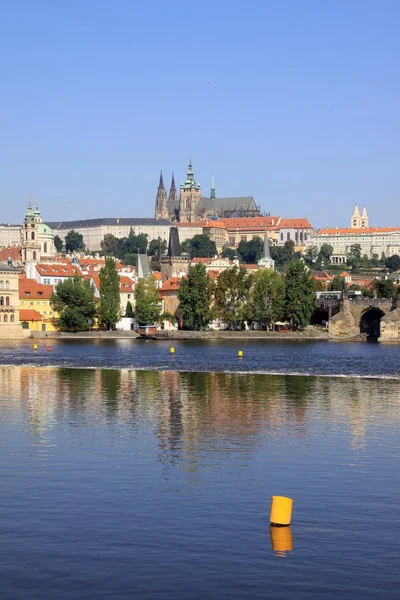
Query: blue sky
294, 102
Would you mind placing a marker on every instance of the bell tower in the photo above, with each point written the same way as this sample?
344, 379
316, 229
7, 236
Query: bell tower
189, 198
30, 235
355, 219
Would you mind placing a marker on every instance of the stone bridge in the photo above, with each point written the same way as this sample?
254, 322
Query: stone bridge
377, 319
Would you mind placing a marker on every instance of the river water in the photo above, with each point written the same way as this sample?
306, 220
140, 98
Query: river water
129, 473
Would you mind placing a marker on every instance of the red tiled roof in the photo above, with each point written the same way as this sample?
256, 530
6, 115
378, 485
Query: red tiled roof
250, 222
345, 274
29, 288
348, 230
170, 284
295, 224
126, 284
29, 314
14, 252
65, 270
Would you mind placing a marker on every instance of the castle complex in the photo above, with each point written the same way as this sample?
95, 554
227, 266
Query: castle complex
192, 206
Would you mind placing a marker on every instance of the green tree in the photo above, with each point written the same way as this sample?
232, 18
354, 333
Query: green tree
185, 246
228, 252
201, 246
232, 297
157, 247
58, 243
325, 252
300, 300
354, 257
195, 296
147, 305
283, 254
110, 311
311, 255
267, 298
393, 263
338, 283
250, 252
129, 310
109, 245
74, 241
74, 302
384, 288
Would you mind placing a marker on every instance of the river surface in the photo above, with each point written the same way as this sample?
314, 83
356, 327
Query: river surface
129, 473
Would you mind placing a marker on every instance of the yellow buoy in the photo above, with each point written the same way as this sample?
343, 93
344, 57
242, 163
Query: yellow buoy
281, 511
35, 346
281, 540
240, 353
172, 350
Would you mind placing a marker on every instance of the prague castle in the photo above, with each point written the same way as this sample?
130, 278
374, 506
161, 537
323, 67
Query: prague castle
192, 206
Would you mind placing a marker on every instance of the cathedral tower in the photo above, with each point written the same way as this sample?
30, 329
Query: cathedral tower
364, 218
189, 198
212, 194
355, 218
161, 211
173, 194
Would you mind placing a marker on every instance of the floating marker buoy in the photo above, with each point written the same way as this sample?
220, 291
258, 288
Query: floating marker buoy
35, 347
48, 348
281, 511
240, 353
172, 350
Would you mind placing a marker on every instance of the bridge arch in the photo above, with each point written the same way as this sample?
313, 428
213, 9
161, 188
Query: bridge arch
370, 322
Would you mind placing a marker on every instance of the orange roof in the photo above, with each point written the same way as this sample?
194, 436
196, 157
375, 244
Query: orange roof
250, 267
170, 284
213, 274
251, 222
29, 315
65, 270
295, 224
348, 230
200, 260
157, 275
14, 252
345, 274
126, 284
29, 288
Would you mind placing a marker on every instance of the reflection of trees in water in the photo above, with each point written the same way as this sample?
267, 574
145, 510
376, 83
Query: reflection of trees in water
111, 389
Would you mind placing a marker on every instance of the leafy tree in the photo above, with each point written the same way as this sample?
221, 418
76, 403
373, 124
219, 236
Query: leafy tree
129, 310
74, 241
250, 252
109, 245
311, 255
195, 296
384, 288
148, 308
157, 247
185, 246
110, 311
393, 263
283, 254
354, 257
338, 283
375, 261
325, 252
200, 246
73, 301
228, 252
300, 300
232, 296
58, 243
267, 302
355, 287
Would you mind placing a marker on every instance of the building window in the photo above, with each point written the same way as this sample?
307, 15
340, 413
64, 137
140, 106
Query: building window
34, 255
32, 235
281, 236
231, 240
12, 318
5, 319
288, 235
7, 301
45, 247
25, 325
1, 285
243, 238
7, 285
1, 301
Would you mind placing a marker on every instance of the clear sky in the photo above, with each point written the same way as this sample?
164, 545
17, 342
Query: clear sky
296, 102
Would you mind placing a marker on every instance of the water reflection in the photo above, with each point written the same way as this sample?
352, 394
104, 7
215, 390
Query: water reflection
281, 540
190, 411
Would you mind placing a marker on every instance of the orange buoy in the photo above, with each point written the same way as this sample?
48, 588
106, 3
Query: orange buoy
281, 511
48, 348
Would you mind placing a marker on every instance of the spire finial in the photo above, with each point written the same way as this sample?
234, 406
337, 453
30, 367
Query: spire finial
212, 195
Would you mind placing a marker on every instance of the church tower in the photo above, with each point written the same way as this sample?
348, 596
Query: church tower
189, 198
355, 219
173, 194
212, 194
161, 211
30, 235
364, 218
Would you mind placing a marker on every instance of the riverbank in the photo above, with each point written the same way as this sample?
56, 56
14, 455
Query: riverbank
86, 335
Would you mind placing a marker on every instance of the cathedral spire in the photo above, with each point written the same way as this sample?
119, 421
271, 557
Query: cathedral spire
173, 194
161, 211
212, 195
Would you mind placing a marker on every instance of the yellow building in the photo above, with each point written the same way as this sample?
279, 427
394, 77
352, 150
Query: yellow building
9, 310
36, 312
